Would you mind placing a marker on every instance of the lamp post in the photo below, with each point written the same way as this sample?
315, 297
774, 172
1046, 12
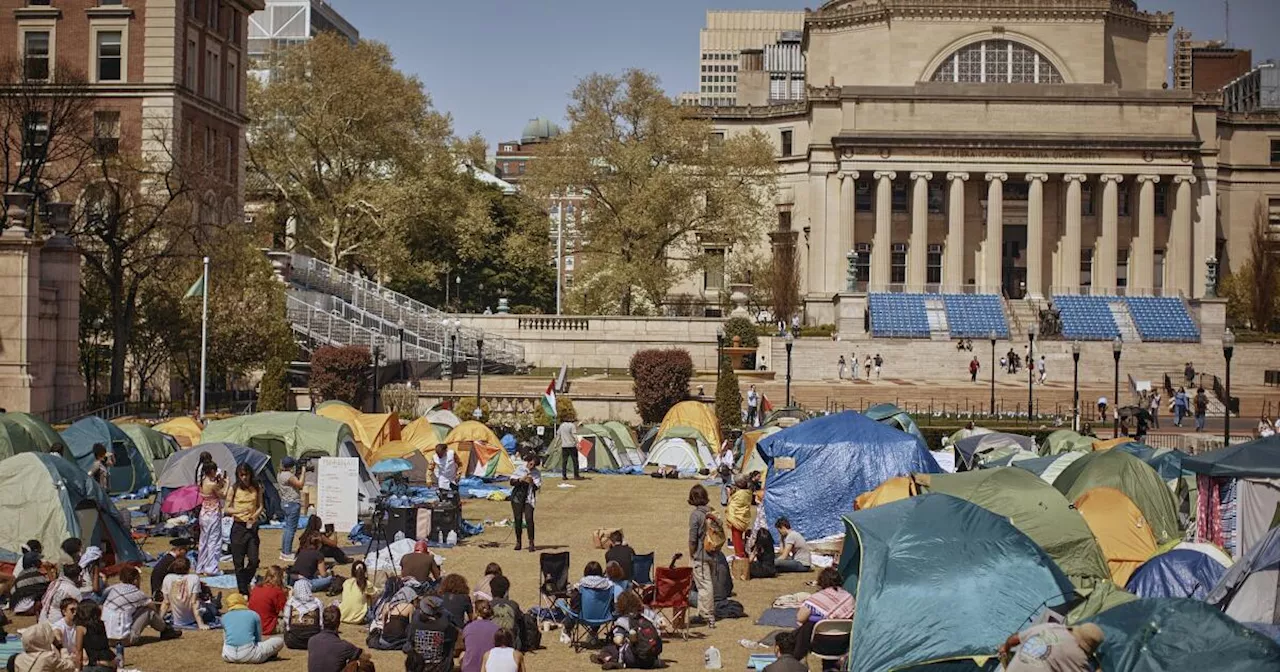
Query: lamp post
479, 369
375, 377
400, 339
452, 328
791, 341
992, 336
1075, 386
1228, 348
719, 354
1031, 370
1116, 346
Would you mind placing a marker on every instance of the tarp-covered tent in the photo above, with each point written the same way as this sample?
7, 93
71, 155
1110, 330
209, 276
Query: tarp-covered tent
421, 434
371, 430
1168, 635
971, 450
488, 461
895, 417
1249, 473
185, 429
819, 467
154, 447
1250, 589
1122, 531
49, 499
1177, 573
1065, 440
180, 470
693, 415
1126, 473
898, 558
1049, 467
130, 472
1255, 459
25, 433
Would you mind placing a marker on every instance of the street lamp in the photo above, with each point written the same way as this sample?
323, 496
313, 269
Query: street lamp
719, 354
375, 377
1075, 386
480, 370
992, 336
791, 341
451, 326
1228, 349
1031, 369
400, 338
1116, 346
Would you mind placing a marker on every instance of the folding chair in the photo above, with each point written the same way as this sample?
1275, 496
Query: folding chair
830, 640
554, 581
642, 569
671, 591
596, 610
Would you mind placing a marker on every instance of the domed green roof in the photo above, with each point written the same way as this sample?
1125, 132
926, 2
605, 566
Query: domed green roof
538, 130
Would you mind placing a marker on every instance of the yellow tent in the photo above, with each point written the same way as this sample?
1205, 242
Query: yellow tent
473, 431
1108, 444
694, 415
488, 461
421, 434
371, 430
186, 430
892, 490
391, 449
1123, 533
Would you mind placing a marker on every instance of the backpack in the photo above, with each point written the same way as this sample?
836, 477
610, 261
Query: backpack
505, 617
530, 635
648, 642
714, 539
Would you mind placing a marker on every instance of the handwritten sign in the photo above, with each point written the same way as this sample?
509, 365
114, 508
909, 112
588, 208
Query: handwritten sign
338, 484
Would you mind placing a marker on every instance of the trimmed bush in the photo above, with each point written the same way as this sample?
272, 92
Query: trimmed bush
661, 381
273, 394
728, 397
340, 374
466, 406
744, 329
401, 400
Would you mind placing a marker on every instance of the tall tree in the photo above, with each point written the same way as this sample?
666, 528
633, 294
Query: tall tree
1253, 291
47, 115
659, 187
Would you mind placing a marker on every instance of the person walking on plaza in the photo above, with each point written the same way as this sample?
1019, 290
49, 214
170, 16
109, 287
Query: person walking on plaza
841, 366
526, 480
853, 366
568, 449
1201, 408
245, 506
1040, 369
290, 487
879, 363
974, 367
867, 367
1179, 406
1189, 372
703, 565
753, 404
1153, 406
1102, 408
724, 470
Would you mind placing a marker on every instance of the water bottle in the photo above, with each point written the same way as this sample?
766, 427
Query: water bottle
452, 539
711, 658
120, 655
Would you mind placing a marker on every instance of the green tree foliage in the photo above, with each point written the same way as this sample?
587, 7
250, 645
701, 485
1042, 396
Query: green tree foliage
728, 397
1253, 291
273, 394
340, 374
466, 407
661, 381
565, 412
657, 187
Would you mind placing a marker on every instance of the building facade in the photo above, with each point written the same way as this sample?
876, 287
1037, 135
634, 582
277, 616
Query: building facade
1018, 147
285, 23
770, 39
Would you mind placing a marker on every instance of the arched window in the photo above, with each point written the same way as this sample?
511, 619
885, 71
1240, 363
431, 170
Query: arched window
997, 62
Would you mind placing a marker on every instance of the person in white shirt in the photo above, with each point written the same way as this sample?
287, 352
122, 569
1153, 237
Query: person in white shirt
724, 470
753, 404
1040, 368
568, 440
444, 470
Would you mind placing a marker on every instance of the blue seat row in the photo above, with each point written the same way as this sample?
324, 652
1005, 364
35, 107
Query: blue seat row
898, 316
1164, 318
976, 315
1087, 318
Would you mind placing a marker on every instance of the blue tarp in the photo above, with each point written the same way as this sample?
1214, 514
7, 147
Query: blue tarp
837, 458
1168, 463
130, 471
1256, 459
509, 443
1160, 635
1179, 573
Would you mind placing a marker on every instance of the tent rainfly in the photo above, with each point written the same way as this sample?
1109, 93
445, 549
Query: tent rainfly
129, 473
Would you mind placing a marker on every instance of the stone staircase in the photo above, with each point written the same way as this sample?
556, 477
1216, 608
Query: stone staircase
1021, 313
936, 311
1124, 322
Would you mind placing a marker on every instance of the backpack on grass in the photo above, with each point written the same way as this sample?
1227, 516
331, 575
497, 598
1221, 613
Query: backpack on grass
648, 642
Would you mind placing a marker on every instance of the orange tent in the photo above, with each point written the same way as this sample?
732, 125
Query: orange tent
185, 430
892, 490
370, 430
1123, 533
1108, 444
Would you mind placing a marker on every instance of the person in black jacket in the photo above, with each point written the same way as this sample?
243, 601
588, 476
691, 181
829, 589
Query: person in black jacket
177, 548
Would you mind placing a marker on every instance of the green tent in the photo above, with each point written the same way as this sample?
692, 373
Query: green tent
1049, 467
894, 417
1154, 635
333, 402
152, 445
1065, 440
941, 579
1130, 475
129, 473
623, 437
280, 433
597, 456
25, 433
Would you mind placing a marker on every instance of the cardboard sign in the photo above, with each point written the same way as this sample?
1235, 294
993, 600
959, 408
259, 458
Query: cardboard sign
338, 485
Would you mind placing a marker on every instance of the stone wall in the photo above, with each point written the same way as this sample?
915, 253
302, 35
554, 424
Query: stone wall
601, 342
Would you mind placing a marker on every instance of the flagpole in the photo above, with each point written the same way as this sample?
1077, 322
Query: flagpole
204, 335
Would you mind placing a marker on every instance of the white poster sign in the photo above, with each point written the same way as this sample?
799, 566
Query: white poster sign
338, 485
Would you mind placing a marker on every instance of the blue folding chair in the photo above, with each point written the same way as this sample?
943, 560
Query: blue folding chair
596, 610
642, 569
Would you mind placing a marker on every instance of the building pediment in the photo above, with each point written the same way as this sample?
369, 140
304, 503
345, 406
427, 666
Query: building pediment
844, 13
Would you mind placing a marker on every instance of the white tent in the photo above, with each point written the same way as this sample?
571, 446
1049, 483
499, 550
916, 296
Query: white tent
683, 454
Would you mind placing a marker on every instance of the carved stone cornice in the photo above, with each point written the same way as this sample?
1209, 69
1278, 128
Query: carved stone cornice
952, 177
845, 13
885, 174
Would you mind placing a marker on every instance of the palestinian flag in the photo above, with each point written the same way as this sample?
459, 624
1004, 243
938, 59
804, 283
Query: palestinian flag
549, 400
765, 405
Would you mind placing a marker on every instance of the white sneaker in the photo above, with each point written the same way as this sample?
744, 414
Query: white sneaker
287, 557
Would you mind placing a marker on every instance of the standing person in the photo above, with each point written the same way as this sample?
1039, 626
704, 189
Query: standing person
568, 449
1040, 368
724, 470
242, 640
795, 325
1189, 372
840, 365
127, 611
1153, 406
1053, 647
853, 366
879, 363
1201, 408
867, 367
703, 564
526, 480
212, 490
795, 555
1179, 406
443, 470
100, 471
974, 367
244, 505
1102, 408
327, 652
290, 487
738, 515
753, 403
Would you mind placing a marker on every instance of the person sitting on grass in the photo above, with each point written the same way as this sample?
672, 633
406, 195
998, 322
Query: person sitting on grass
309, 564
503, 657
127, 610
763, 556
328, 652
303, 616
42, 651
795, 555
327, 542
635, 642
477, 637
67, 585
432, 635
784, 644
420, 564
485, 584
831, 601
29, 585
455, 599
181, 598
242, 634
267, 599
357, 595
506, 612
620, 552
92, 649
66, 625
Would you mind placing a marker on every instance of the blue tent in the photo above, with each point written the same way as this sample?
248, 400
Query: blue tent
130, 472
1158, 635
509, 443
940, 579
827, 462
1181, 572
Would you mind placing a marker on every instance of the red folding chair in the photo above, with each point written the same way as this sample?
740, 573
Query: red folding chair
671, 591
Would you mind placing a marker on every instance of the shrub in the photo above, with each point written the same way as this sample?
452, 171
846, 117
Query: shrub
401, 400
661, 381
466, 406
273, 394
340, 373
564, 411
744, 329
728, 397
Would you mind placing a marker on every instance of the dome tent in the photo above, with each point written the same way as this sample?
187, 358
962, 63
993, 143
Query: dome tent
693, 415
683, 448
180, 470
49, 499
1131, 476
185, 429
1049, 467
1122, 532
973, 450
421, 434
1177, 573
1065, 440
894, 417
595, 451
24, 433
371, 430
1155, 635
1250, 589
153, 446
129, 473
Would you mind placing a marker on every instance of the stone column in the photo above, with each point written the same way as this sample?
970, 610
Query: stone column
832, 257
918, 247
813, 237
848, 213
955, 251
1205, 235
882, 244
1142, 251
1071, 242
1035, 235
1105, 253
992, 255
1177, 259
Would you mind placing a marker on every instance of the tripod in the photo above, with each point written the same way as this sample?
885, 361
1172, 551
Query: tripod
378, 530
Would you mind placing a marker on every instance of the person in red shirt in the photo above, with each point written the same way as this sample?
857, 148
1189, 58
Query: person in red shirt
268, 599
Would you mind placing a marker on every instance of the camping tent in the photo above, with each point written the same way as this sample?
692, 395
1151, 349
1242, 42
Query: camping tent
23, 433
682, 448
1249, 473
130, 472
972, 451
185, 429
1130, 475
370, 429
897, 556
421, 434
750, 459
964, 433
893, 490
49, 499
1178, 634
488, 461
1121, 530
1250, 589
180, 470
1049, 467
693, 415
624, 444
153, 446
1177, 573
894, 417
1108, 444
1065, 440
393, 449
819, 467
595, 451
444, 420
472, 431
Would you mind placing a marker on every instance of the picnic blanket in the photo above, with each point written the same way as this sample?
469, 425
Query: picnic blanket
778, 618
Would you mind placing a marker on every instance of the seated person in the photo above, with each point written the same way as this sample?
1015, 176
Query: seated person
309, 564
66, 585
177, 548
616, 576
635, 642
503, 655
831, 601
784, 644
42, 651
66, 625
593, 578
455, 599
477, 637
303, 616
420, 564
485, 584
92, 648
432, 635
390, 627
127, 610
762, 556
327, 540
506, 612
181, 593
357, 595
619, 552
328, 652
29, 585
795, 555
242, 634
268, 597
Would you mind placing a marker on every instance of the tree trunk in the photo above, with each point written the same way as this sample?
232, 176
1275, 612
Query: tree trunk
122, 314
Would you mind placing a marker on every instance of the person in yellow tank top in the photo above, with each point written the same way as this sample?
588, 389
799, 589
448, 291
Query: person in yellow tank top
357, 594
245, 507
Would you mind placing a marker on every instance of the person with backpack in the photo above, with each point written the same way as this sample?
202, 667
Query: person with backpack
706, 536
506, 614
636, 642
1201, 408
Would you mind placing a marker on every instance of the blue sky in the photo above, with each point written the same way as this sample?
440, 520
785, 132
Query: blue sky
495, 64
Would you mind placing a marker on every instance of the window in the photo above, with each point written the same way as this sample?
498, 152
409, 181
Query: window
35, 136
786, 143
1275, 152
230, 90
1123, 198
1162, 199
106, 132
863, 199
213, 72
717, 138
192, 65
1122, 268
210, 141
900, 196
784, 220
1086, 199
713, 276
108, 3
933, 265
862, 262
898, 264
1086, 267
568, 263
937, 198
214, 8
35, 55
997, 62
228, 158
110, 56
233, 30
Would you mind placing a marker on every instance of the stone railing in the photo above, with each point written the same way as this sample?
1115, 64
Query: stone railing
553, 324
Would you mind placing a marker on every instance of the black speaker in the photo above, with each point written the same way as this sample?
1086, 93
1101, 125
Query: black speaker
402, 520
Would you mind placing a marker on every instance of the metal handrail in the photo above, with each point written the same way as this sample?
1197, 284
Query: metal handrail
332, 329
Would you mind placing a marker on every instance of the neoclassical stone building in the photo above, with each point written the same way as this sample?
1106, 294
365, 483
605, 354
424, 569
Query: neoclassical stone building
1019, 147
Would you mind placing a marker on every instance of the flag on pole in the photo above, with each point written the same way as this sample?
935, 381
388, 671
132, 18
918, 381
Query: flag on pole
196, 289
549, 400
766, 406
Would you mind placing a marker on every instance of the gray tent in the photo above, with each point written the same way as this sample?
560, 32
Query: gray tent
970, 450
1250, 590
